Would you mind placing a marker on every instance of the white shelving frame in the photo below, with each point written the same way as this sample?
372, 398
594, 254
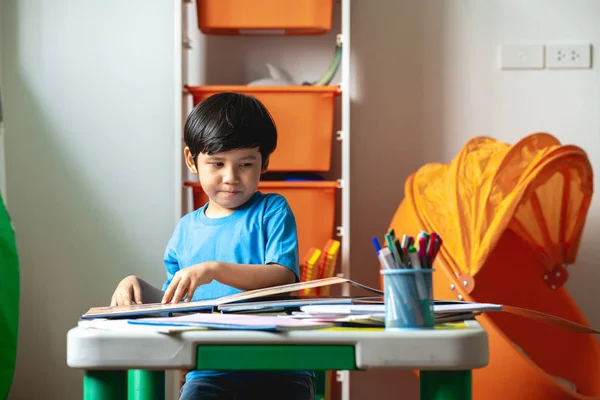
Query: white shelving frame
180, 70
344, 376
345, 86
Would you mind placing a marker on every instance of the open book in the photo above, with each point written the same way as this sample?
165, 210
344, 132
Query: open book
137, 310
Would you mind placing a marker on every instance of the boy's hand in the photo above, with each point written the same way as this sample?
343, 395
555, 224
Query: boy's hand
186, 281
128, 291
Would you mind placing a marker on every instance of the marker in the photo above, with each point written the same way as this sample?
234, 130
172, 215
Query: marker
431, 243
438, 244
431, 249
419, 279
404, 244
414, 257
386, 258
403, 257
390, 245
376, 245
421, 251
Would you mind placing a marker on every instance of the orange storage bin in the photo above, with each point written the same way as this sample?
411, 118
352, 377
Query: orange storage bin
304, 118
313, 204
267, 17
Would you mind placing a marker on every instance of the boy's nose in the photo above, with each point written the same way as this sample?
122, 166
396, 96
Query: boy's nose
231, 176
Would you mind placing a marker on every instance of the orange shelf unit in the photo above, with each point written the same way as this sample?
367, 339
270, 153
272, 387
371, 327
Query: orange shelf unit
304, 118
313, 204
264, 17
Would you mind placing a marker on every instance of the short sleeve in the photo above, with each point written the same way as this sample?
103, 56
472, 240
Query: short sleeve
281, 236
170, 258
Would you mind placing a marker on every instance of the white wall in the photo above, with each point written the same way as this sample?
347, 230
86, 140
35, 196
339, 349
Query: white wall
426, 80
89, 91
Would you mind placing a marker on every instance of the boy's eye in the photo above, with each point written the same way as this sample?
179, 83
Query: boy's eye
217, 164
246, 164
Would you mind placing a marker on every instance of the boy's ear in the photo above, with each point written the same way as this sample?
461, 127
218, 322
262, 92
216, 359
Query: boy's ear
265, 166
189, 160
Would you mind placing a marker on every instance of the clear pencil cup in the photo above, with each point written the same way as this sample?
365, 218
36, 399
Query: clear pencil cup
408, 298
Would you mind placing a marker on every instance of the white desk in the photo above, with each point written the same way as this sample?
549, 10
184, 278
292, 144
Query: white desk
445, 357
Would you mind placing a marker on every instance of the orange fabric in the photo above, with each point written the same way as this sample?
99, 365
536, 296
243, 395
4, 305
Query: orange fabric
508, 214
537, 188
511, 275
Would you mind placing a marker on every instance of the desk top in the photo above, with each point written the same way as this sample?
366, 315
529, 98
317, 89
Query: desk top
451, 347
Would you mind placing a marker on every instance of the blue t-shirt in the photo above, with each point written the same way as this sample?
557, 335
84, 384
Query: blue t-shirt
261, 231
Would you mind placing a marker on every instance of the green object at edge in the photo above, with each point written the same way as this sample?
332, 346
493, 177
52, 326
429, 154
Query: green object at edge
446, 385
9, 301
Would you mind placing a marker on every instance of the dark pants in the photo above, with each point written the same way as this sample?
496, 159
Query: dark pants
276, 387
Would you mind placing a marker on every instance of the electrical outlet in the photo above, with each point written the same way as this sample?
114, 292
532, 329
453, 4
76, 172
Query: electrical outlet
568, 55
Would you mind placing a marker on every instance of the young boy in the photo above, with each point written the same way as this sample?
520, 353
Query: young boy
240, 240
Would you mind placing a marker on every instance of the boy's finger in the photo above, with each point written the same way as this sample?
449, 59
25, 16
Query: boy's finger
190, 293
126, 299
113, 301
137, 293
181, 289
170, 289
177, 296
119, 298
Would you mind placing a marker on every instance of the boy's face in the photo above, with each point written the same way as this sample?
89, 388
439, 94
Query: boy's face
229, 178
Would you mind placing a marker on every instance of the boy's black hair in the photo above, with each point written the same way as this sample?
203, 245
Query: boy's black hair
229, 121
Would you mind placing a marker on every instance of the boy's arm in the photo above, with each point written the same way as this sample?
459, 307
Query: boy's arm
240, 276
250, 276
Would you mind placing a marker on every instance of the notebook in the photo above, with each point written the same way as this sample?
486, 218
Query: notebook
233, 322
354, 309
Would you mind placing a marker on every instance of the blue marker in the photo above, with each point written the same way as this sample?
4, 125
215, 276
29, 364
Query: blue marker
376, 245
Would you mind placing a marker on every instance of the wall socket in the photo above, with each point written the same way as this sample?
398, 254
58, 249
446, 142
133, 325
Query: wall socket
564, 55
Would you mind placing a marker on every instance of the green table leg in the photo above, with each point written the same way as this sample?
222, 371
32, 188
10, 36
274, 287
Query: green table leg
445, 385
105, 385
146, 385
320, 384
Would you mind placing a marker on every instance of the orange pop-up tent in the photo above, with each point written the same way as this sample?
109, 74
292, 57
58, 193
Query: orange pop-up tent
511, 218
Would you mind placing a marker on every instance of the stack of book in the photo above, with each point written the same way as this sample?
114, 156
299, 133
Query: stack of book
271, 309
280, 308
